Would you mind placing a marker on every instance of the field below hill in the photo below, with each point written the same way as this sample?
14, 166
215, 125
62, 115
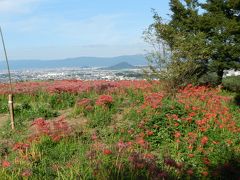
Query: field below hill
74, 129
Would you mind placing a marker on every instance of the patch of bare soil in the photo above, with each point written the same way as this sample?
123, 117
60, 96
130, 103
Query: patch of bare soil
75, 123
3, 119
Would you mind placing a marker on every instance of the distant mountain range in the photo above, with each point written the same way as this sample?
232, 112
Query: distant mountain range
121, 65
134, 60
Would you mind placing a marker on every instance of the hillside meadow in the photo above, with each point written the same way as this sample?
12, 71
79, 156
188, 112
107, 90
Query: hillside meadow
73, 129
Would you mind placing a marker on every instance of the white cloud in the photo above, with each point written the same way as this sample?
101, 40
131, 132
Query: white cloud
49, 34
94, 30
99, 29
16, 6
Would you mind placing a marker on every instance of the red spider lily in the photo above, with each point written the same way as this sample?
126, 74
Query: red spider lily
149, 133
84, 102
205, 173
140, 141
215, 142
94, 137
190, 147
192, 134
129, 143
104, 100
229, 142
192, 114
191, 155
130, 131
42, 125
175, 116
177, 134
190, 172
21, 146
206, 161
124, 145
107, 152
26, 173
78, 86
139, 165
121, 145
141, 135
60, 127
140, 161
204, 140
56, 137
148, 156
56, 130
55, 167
170, 162
172, 116
6, 164
153, 100
89, 108
69, 165
177, 140
176, 124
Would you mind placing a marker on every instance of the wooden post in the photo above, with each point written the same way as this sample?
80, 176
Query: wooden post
10, 104
10, 97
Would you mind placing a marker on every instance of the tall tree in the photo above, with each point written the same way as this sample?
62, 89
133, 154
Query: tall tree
206, 35
221, 24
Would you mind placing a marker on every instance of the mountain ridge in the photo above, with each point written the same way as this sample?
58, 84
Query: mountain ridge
75, 62
121, 65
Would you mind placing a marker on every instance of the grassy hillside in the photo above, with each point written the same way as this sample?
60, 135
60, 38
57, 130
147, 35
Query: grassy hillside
118, 130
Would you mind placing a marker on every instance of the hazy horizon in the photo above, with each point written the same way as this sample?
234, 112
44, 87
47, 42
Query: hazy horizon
74, 57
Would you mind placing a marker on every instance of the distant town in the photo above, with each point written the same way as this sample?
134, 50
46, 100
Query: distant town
89, 73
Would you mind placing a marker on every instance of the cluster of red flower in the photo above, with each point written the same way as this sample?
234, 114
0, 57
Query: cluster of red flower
104, 100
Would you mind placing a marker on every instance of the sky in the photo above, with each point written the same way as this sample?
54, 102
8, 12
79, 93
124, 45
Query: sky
58, 29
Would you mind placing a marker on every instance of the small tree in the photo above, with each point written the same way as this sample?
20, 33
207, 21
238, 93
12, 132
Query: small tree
197, 42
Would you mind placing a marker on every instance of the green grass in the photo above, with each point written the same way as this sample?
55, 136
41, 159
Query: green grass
124, 139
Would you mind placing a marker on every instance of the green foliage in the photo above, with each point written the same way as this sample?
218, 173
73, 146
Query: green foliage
165, 135
232, 83
100, 117
3, 104
52, 153
198, 42
208, 79
62, 100
237, 99
125, 138
26, 112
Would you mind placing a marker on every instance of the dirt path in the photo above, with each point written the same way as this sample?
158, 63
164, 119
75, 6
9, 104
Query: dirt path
3, 119
73, 122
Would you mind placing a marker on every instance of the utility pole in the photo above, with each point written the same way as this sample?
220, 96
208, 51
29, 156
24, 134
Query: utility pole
10, 96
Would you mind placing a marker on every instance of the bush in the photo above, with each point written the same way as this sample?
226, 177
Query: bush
208, 79
237, 99
232, 83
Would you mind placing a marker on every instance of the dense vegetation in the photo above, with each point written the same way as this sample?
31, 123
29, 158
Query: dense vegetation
201, 37
119, 130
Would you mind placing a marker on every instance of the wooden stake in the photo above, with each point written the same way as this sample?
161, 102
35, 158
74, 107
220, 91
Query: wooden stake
10, 97
10, 104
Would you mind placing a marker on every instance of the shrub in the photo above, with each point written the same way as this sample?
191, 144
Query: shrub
237, 99
232, 83
208, 79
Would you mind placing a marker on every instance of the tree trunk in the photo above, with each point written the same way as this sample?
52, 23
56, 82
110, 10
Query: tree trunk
219, 76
